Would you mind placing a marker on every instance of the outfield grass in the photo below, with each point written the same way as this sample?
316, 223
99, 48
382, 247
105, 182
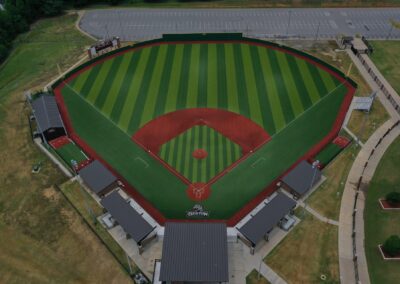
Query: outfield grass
379, 224
386, 58
309, 251
222, 152
278, 91
41, 238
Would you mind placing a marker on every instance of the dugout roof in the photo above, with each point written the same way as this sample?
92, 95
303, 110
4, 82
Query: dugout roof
267, 218
46, 112
299, 179
195, 252
97, 177
130, 220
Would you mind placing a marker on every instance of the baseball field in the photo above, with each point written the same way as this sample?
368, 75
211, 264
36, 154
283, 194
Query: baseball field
272, 106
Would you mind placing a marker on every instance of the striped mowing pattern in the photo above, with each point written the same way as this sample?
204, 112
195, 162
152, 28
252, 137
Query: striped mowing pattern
222, 152
270, 87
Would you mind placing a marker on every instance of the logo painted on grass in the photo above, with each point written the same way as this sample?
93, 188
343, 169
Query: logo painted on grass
197, 211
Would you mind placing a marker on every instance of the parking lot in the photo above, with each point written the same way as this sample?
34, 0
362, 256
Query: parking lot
313, 23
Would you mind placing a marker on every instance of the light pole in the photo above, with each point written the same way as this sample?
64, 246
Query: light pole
290, 16
317, 33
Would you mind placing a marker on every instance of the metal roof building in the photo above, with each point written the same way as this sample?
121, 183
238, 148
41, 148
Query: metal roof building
48, 117
267, 218
98, 178
130, 220
194, 252
298, 181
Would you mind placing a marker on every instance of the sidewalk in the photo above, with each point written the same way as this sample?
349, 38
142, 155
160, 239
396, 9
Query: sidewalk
346, 254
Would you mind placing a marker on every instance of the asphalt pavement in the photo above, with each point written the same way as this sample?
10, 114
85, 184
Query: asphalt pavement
310, 23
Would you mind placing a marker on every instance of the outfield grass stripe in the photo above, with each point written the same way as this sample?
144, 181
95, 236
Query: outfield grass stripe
184, 78
116, 84
153, 91
319, 83
252, 91
195, 164
187, 152
283, 93
180, 150
105, 89
277, 117
173, 83
237, 151
296, 73
129, 75
101, 78
269, 113
191, 101
295, 101
144, 87
329, 81
232, 95
175, 153
78, 82
165, 79
221, 73
202, 82
240, 82
206, 147
212, 79
308, 80
88, 85
131, 85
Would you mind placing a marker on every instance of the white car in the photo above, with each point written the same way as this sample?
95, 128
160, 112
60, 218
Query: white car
287, 222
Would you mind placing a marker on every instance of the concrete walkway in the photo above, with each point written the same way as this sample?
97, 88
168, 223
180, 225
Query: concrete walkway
318, 215
346, 246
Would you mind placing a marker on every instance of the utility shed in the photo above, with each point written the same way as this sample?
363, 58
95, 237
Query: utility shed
194, 252
135, 226
267, 218
98, 178
48, 118
299, 180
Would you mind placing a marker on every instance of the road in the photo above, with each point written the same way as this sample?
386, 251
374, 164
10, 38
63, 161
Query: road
312, 23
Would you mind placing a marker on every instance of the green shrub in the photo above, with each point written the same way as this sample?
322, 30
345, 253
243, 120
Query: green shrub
393, 198
392, 245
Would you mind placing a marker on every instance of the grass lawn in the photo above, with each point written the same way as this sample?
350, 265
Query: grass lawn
254, 278
309, 251
386, 58
360, 123
83, 203
42, 240
379, 224
327, 198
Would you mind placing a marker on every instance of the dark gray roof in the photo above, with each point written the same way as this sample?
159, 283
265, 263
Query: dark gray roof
267, 218
46, 112
96, 176
194, 252
129, 219
299, 179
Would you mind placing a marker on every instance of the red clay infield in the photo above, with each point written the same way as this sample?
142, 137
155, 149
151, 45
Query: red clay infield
199, 154
198, 191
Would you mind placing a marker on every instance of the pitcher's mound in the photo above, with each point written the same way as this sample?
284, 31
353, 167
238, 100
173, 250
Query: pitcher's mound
199, 154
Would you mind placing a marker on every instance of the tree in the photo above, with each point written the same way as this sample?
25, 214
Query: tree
392, 245
393, 198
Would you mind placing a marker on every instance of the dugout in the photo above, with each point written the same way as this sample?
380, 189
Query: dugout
194, 253
265, 220
133, 223
301, 179
98, 178
48, 118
